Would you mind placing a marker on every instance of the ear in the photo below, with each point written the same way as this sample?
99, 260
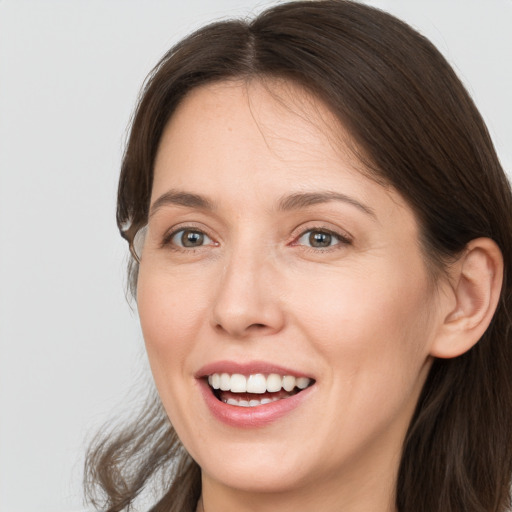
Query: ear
474, 290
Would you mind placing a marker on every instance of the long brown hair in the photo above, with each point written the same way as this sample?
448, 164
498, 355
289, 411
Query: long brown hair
415, 128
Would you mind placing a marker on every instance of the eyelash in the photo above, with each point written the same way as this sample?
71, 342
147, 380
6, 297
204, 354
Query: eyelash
341, 239
168, 238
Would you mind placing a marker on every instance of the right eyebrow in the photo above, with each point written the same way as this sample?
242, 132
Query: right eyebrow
180, 198
305, 199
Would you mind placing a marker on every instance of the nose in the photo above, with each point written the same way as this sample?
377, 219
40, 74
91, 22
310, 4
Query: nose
247, 301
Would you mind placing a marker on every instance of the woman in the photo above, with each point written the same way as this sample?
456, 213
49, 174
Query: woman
321, 233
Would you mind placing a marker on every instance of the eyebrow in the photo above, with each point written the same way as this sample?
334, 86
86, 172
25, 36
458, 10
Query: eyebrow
179, 198
305, 199
290, 202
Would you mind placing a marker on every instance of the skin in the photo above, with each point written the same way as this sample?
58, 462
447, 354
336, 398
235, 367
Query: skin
360, 317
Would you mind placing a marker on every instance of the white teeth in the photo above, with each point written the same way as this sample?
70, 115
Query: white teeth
238, 383
256, 383
288, 382
274, 382
225, 382
302, 382
215, 382
250, 403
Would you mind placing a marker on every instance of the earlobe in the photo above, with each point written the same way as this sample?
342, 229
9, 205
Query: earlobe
475, 284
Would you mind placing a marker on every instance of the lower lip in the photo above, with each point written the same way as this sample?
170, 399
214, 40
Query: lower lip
251, 417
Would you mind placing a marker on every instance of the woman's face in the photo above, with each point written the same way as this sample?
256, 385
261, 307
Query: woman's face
269, 256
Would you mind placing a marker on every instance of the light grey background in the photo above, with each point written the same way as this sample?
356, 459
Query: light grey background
70, 71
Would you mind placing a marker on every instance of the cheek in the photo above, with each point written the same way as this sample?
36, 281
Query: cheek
169, 311
374, 334
373, 324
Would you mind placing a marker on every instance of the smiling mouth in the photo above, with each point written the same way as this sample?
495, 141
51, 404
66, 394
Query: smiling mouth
256, 389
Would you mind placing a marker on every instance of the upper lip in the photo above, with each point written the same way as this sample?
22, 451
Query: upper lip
248, 368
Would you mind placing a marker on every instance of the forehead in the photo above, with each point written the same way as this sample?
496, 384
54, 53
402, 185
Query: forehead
259, 125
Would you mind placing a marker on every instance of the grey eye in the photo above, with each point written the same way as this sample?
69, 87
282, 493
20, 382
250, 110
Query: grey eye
318, 239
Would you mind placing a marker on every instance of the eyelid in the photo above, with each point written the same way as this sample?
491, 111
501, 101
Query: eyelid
175, 238
172, 232
343, 237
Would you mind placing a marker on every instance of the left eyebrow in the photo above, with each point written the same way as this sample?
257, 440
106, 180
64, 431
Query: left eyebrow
181, 198
305, 199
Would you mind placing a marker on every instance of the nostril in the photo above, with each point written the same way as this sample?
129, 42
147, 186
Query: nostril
251, 327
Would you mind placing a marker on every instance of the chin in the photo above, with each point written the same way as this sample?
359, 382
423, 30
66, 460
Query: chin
256, 475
